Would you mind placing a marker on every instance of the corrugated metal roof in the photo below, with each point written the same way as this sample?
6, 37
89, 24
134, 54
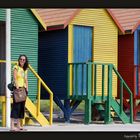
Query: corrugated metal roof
129, 19
56, 17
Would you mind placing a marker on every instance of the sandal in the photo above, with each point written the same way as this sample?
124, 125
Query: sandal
14, 130
22, 129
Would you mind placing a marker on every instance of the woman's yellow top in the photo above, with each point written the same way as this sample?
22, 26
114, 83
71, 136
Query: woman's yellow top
20, 77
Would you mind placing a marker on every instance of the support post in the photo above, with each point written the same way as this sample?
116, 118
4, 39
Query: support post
89, 90
8, 65
67, 112
109, 96
3, 114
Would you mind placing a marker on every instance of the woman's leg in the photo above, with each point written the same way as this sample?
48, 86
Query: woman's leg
14, 114
12, 124
13, 128
18, 124
21, 115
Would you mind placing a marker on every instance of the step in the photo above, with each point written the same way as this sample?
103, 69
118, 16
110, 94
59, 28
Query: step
40, 118
27, 120
122, 115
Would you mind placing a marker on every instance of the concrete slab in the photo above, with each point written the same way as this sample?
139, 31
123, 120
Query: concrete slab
65, 127
90, 127
76, 125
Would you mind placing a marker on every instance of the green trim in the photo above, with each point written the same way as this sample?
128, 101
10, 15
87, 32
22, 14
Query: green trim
128, 91
103, 79
95, 80
122, 116
109, 97
121, 96
89, 82
87, 118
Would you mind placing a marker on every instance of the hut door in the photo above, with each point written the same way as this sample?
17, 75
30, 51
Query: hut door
82, 52
138, 69
3, 57
137, 61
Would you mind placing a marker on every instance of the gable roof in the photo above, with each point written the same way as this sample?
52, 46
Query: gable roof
38, 18
52, 19
129, 19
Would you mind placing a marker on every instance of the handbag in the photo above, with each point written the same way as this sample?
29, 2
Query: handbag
11, 86
19, 95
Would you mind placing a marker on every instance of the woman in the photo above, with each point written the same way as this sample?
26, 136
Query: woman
20, 80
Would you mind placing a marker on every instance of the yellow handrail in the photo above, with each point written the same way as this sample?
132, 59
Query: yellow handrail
40, 81
49, 91
38, 97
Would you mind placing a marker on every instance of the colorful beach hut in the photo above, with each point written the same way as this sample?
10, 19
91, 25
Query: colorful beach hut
25, 25
24, 40
129, 51
73, 41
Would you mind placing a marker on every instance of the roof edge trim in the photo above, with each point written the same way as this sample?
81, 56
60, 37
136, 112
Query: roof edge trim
39, 18
128, 31
71, 18
116, 21
55, 27
135, 26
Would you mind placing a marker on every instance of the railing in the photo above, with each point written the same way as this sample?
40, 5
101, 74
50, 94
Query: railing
88, 76
123, 84
83, 77
40, 81
73, 70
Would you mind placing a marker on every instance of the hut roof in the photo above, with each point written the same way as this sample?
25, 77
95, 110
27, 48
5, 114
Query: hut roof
52, 19
129, 19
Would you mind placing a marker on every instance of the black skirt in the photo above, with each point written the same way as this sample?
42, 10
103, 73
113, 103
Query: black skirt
18, 110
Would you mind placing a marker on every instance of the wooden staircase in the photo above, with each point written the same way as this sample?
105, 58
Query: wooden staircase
33, 109
99, 110
39, 117
105, 103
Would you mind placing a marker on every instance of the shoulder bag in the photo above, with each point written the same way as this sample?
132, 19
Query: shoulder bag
19, 95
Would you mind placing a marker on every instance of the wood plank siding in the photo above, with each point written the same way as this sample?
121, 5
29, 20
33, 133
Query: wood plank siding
126, 61
105, 39
24, 40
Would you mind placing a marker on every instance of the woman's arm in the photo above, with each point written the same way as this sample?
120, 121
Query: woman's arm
15, 77
26, 82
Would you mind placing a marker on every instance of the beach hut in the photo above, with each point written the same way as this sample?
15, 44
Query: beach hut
25, 25
75, 36
24, 40
129, 52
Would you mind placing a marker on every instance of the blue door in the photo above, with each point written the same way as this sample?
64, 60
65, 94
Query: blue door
82, 52
137, 59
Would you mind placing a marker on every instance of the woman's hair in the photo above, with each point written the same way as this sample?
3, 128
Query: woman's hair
26, 62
